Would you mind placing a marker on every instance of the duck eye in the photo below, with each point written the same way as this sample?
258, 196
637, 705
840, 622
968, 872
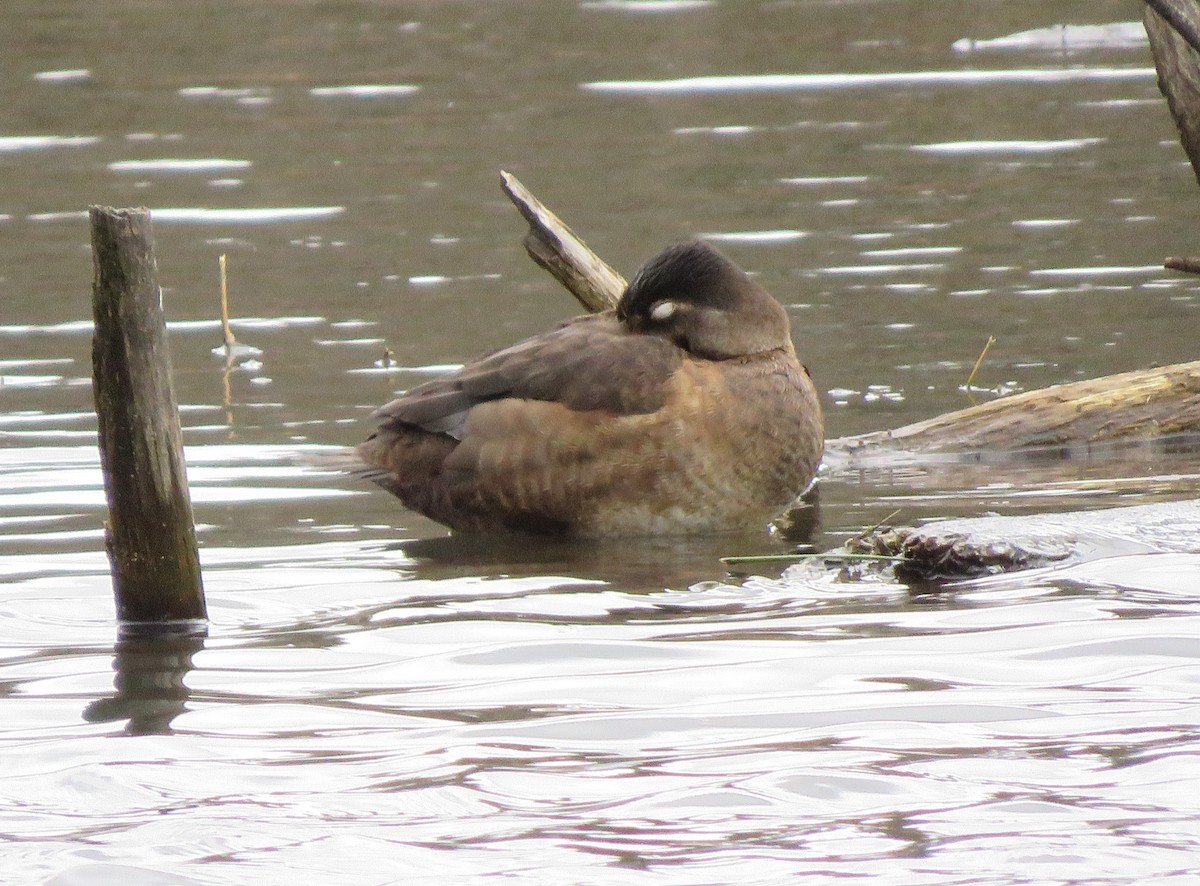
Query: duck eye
664, 310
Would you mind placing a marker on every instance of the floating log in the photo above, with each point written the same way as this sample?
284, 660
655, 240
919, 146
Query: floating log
151, 539
1142, 405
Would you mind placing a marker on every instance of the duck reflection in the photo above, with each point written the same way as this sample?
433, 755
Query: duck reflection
638, 564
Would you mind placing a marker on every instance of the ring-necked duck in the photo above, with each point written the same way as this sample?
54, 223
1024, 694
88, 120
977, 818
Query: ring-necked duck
682, 410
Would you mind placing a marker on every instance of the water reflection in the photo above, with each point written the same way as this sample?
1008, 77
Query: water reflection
632, 564
1063, 38
773, 82
151, 663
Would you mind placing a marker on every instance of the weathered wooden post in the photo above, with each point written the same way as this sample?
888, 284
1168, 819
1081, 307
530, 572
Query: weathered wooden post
151, 538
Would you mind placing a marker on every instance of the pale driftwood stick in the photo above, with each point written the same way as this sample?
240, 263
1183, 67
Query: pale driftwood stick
1141, 405
556, 248
226, 331
1173, 27
151, 538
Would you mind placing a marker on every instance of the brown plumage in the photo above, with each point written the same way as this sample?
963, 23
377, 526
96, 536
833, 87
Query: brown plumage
682, 410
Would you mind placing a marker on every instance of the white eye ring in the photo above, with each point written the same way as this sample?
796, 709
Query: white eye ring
664, 310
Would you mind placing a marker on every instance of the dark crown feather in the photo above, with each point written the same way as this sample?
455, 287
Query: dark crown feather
691, 271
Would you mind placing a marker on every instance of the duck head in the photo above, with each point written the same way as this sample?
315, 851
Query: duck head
704, 303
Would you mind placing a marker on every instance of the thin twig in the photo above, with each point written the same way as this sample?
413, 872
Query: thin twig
831, 556
230, 341
970, 378
871, 529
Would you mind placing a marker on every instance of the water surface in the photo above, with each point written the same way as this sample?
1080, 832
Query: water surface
376, 701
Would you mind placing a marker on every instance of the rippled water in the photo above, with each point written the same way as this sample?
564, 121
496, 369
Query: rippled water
376, 701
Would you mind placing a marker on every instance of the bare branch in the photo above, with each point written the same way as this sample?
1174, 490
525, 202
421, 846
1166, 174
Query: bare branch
1176, 18
556, 248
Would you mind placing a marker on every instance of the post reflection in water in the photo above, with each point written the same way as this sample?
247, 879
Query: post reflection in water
151, 662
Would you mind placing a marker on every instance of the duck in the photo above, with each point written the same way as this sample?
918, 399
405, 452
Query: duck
683, 410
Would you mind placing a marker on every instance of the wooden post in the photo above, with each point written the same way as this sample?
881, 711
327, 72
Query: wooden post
151, 539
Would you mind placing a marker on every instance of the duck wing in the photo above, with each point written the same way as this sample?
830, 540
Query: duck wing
589, 363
